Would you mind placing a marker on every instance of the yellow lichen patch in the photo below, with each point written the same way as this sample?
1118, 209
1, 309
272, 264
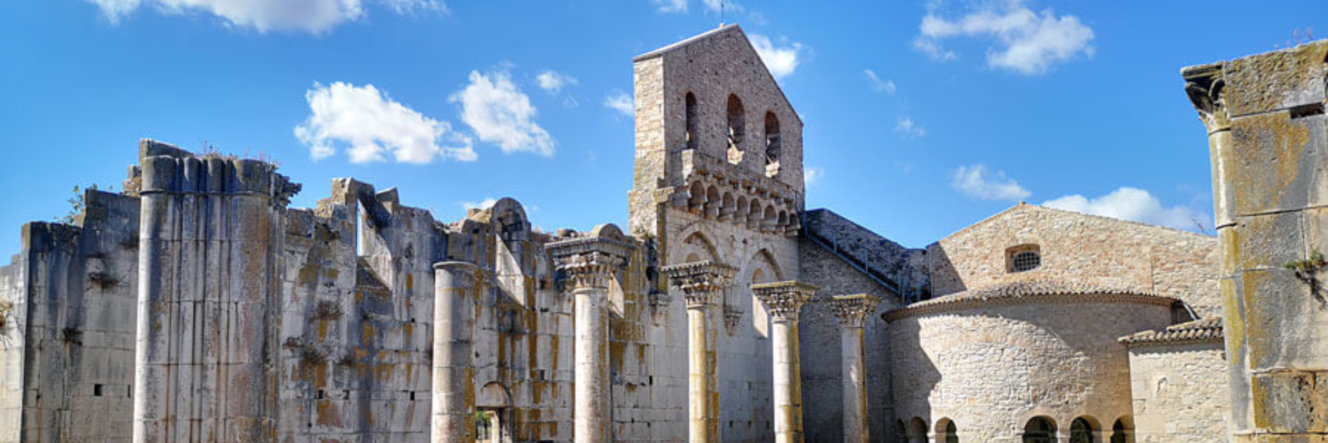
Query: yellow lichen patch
327, 414
322, 330
1270, 164
410, 281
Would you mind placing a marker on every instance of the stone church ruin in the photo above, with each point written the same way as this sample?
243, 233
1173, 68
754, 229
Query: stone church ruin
198, 306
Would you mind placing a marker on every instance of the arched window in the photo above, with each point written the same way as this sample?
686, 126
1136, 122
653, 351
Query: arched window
1083, 430
1123, 431
691, 121
771, 144
737, 127
1040, 430
901, 434
946, 431
917, 430
1023, 258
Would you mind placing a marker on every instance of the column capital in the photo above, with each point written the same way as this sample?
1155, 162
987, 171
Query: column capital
853, 309
700, 282
784, 299
592, 261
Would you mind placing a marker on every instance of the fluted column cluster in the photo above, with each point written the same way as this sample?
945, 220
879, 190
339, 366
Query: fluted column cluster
783, 301
590, 265
701, 284
852, 311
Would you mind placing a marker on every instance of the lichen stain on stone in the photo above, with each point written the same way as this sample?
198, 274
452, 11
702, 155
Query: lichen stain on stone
1270, 164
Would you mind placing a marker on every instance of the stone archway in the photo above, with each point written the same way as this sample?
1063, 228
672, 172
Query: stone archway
493, 414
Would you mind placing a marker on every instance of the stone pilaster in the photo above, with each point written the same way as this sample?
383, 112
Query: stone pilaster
783, 300
590, 265
456, 289
701, 284
852, 310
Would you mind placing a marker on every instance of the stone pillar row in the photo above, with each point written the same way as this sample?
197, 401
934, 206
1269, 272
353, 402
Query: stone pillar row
590, 265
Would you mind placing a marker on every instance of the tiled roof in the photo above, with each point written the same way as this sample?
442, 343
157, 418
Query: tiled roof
1202, 330
1021, 291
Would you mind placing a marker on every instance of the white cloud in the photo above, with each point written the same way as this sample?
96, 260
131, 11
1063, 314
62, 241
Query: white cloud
670, 6
1131, 204
552, 82
907, 129
371, 125
501, 114
811, 175
781, 61
978, 182
878, 85
1026, 42
621, 102
483, 204
313, 16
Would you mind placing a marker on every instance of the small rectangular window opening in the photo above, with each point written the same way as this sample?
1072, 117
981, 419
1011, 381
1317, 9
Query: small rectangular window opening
1306, 110
97, 390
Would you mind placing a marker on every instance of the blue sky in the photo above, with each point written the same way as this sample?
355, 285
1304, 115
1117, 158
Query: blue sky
921, 117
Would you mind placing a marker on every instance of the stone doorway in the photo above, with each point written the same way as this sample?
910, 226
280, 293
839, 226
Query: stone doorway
490, 426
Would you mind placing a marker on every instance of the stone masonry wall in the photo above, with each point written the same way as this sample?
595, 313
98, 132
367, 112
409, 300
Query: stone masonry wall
992, 369
1083, 249
822, 382
67, 350
1180, 393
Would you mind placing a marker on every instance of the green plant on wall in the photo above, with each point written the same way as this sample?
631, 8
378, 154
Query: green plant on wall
1307, 270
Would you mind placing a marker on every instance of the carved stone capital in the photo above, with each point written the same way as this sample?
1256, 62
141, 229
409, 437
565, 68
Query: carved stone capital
591, 261
700, 282
852, 310
732, 318
1204, 85
784, 299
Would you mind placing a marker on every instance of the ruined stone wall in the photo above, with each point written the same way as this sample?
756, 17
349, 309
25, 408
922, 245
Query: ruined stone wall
68, 339
1268, 144
1080, 248
819, 331
13, 315
992, 369
1180, 393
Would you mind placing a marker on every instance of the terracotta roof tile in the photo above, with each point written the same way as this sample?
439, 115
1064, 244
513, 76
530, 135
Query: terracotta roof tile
1202, 330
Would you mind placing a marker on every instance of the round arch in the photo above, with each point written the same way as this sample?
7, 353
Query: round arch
1040, 429
1084, 429
1122, 431
946, 431
917, 430
697, 247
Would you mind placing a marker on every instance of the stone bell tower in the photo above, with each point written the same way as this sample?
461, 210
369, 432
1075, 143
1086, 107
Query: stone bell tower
719, 186
715, 138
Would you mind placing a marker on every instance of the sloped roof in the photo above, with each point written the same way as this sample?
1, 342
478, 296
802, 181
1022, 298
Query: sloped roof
680, 44
1025, 291
1023, 206
1202, 330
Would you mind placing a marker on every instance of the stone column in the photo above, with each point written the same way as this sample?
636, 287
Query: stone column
209, 293
1265, 120
701, 284
783, 300
590, 264
455, 292
852, 310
